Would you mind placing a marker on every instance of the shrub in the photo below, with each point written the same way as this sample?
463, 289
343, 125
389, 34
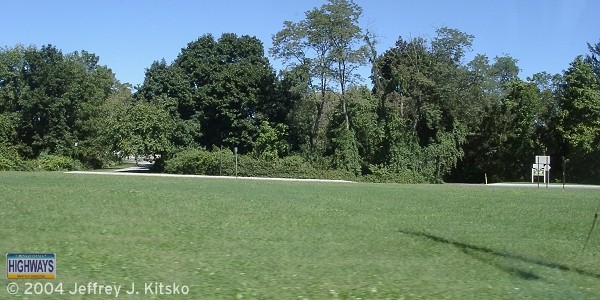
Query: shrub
56, 163
200, 161
287, 167
11, 161
384, 174
7, 164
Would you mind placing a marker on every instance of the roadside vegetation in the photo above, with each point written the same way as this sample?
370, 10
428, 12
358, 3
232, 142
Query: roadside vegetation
430, 111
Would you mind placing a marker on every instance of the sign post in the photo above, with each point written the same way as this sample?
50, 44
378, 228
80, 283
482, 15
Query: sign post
564, 167
537, 169
236, 162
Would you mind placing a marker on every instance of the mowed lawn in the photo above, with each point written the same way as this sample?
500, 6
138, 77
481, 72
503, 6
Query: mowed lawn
238, 239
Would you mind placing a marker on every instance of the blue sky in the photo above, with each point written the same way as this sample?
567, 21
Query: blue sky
129, 35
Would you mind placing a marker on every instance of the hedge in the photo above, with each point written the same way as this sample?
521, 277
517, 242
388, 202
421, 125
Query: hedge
203, 162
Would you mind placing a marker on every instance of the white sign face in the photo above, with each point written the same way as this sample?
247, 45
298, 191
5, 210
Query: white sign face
541, 168
544, 160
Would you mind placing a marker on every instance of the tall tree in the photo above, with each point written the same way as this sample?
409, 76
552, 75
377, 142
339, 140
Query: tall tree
580, 106
579, 120
427, 104
594, 58
349, 50
331, 44
496, 95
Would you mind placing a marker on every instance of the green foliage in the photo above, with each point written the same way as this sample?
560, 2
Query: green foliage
232, 88
594, 58
50, 99
100, 146
143, 130
451, 44
222, 162
218, 92
10, 160
430, 117
504, 69
580, 106
426, 105
56, 163
200, 161
8, 128
271, 141
328, 46
362, 107
386, 174
345, 151
579, 120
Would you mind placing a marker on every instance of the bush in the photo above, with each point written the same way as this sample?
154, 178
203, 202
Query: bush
287, 167
201, 161
7, 164
11, 161
56, 163
384, 174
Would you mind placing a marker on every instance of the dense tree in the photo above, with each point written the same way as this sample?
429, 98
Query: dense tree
51, 98
424, 88
580, 106
496, 97
579, 120
225, 86
169, 87
141, 130
292, 86
518, 127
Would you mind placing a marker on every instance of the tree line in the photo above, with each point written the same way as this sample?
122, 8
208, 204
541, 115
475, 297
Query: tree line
429, 115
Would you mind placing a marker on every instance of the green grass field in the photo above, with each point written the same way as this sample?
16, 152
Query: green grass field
229, 239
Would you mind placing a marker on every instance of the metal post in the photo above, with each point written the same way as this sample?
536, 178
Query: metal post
546, 167
537, 170
74, 154
236, 162
546, 174
564, 167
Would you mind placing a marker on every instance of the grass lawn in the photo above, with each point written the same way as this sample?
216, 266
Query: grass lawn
228, 239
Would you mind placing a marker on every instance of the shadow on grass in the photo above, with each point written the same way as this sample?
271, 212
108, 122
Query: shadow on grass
477, 252
481, 256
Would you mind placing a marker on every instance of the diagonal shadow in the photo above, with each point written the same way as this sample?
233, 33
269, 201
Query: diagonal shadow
471, 249
523, 274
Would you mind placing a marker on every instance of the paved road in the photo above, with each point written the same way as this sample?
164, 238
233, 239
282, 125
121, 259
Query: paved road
135, 171
142, 170
543, 186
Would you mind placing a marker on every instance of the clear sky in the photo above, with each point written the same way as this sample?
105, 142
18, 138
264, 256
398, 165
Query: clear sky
128, 35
